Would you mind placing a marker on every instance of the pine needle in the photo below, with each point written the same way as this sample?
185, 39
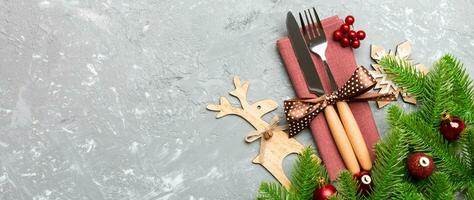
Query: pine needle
273, 191
306, 174
462, 90
389, 168
346, 186
438, 186
404, 73
470, 190
407, 190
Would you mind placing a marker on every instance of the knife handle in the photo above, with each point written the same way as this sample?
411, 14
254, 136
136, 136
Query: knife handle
355, 136
340, 138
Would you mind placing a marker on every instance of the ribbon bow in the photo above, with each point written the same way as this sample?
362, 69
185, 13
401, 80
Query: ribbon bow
267, 133
300, 112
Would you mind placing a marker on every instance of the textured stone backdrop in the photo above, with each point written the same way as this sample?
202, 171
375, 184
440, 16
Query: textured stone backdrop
106, 99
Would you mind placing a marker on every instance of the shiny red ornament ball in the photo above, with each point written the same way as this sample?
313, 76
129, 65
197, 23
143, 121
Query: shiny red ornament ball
345, 28
360, 35
345, 42
420, 165
337, 35
355, 43
349, 20
451, 127
324, 193
352, 34
364, 182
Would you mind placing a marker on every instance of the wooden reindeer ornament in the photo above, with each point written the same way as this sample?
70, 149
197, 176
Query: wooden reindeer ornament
275, 144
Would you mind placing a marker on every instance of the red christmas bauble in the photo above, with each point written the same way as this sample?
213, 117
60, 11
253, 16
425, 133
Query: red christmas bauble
345, 42
360, 35
355, 43
451, 127
352, 34
337, 35
420, 165
364, 182
345, 28
350, 20
324, 193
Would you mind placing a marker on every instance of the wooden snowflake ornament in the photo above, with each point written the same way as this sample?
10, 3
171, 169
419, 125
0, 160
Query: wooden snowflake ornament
384, 82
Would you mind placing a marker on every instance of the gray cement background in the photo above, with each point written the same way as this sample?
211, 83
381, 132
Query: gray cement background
106, 99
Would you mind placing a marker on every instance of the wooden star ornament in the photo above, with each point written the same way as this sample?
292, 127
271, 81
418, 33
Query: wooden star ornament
384, 83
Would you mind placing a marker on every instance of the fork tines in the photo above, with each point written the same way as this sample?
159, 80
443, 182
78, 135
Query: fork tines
311, 29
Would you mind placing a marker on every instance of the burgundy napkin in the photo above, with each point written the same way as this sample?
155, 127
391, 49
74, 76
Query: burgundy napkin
342, 64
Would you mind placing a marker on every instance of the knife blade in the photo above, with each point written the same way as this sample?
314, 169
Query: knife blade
303, 56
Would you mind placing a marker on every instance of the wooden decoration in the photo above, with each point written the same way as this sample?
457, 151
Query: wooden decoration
384, 83
275, 144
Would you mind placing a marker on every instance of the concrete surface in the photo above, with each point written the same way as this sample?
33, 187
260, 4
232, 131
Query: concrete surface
106, 99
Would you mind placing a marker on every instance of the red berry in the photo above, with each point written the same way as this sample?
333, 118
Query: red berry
360, 35
364, 182
350, 20
345, 42
451, 127
355, 43
337, 35
420, 165
352, 35
324, 193
345, 28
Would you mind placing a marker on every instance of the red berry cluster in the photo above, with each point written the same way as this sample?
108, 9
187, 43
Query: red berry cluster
346, 36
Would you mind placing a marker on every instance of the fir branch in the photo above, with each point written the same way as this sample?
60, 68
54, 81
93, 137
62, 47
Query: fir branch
437, 96
463, 90
466, 148
394, 114
307, 174
389, 168
406, 190
470, 142
438, 186
346, 186
470, 190
404, 73
273, 191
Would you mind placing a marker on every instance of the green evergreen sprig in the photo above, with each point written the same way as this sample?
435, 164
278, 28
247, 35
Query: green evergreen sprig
437, 186
404, 73
307, 174
389, 167
346, 187
406, 191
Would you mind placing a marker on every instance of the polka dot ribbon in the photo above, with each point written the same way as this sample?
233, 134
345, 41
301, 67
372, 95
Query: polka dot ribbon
300, 112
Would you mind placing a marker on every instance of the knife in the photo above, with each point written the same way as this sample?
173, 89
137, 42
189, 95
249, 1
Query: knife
314, 86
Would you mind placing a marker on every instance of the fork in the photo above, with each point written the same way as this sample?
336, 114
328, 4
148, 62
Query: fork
315, 38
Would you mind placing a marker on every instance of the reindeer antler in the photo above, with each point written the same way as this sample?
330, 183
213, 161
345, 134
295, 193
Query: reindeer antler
224, 108
241, 92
